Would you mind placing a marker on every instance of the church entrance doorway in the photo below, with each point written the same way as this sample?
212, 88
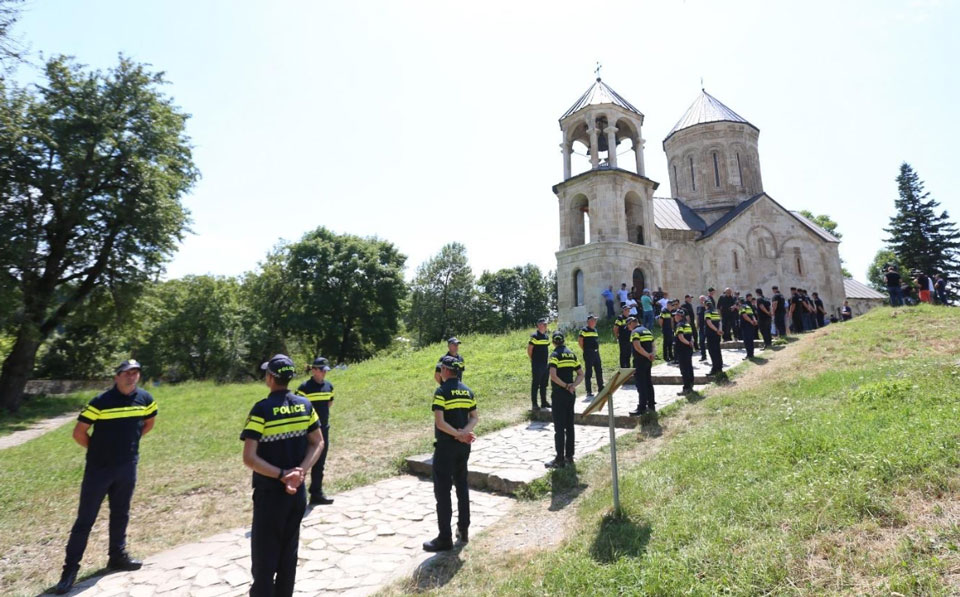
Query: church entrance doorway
638, 282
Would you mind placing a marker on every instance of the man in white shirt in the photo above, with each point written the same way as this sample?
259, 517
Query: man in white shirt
622, 294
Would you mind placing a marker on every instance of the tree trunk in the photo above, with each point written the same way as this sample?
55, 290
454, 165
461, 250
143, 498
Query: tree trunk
18, 366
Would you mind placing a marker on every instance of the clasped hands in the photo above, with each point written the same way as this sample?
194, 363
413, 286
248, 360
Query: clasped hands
292, 479
464, 436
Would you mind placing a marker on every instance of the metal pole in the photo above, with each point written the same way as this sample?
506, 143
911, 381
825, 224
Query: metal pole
613, 457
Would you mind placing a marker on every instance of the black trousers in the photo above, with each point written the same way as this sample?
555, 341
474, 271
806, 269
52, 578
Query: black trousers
668, 343
316, 473
116, 483
716, 357
765, 332
685, 360
703, 340
780, 321
625, 349
539, 375
728, 321
644, 381
450, 470
563, 434
591, 360
275, 539
748, 335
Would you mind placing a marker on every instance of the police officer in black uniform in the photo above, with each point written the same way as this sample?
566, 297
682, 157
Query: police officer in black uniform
563, 365
453, 350
319, 392
589, 342
454, 418
748, 324
119, 417
764, 316
666, 328
701, 327
538, 349
796, 310
281, 440
643, 356
684, 349
779, 310
726, 307
622, 334
714, 334
687, 307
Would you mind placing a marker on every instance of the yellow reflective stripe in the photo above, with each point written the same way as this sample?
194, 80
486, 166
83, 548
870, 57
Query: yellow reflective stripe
439, 401
257, 419
127, 412
90, 413
553, 361
288, 420
567, 364
314, 418
538, 341
254, 425
642, 337
588, 334
299, 424
451, 404
316, 396
620, 322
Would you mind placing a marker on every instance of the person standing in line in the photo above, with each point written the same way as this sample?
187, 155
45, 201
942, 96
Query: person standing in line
726, 305
608, 301
846, 313
589, 341
764, 316
923, 285
714, 333
893, 282
646, 304
940, 289
666, 329
563, 365
632, 303
818, 310
710, 298
538, 349
688, 309
319, 392
119, 417
663, 301
795, 311
622, 334
641, 340
281, 440
623, 294
779, 310
453, 350
454, 419
748, 324
702, 331
684, 335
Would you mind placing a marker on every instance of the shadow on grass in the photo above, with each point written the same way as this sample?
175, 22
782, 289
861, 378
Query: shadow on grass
650, 424
619, 537
436, 571
565, 486
694, 397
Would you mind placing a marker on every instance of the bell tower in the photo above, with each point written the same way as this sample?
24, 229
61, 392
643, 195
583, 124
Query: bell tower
607, 232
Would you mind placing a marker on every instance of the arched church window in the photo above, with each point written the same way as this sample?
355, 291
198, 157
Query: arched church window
675, 177
796, 258
736, 261
578, 288
716, 170
739, 172
762, 247
693, 180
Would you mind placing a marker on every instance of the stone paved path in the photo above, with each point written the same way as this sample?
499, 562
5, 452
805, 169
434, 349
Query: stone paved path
36, 430
367, 538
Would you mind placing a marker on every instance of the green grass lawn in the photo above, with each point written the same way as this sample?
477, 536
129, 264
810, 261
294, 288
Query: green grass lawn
191, 480
830, 468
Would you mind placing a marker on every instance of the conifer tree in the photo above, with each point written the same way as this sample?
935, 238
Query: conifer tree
921, 239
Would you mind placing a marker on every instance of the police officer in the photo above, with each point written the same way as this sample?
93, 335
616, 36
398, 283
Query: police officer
687, 307
748, 324
563, 365
622, 334
684, 349
281, 440
538, 349
795, 311
819, 312
701, 327
453, 350
714, 333
119, 417
643, 355
666, 328
589, 342
726, 307
319, 392
779, 309
764, 315
454, 418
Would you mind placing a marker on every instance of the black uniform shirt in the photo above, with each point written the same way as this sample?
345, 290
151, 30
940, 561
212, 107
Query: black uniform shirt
846, 312
761, 316
280, 424
713, 316
797, 305
724, 303
117, 421
817, 304
320, 396
591, 341
460, 364
541, 347
645, 337
780, 302
666, 322
892, 279
686, 330
566, 363
456, 401
623, 334
748, 311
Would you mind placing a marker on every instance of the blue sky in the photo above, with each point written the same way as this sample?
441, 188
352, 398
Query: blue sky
430, 122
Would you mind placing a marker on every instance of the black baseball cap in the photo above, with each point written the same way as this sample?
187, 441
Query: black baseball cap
542, 320
680, 312
127, 365
320, 363
625, 306
591, 316
449, 362
558, 337
711, 289
279, 366
632, 318
453, 340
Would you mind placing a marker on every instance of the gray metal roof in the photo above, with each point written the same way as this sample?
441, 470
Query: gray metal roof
817, 229
730, 215
600, 93
706, 108
856, 290
673, 214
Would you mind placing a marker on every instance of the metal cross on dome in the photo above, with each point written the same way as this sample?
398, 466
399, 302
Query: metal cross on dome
597, 70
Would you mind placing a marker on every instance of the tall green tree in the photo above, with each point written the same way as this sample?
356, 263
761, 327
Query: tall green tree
268, 298
878, 267
349, 293
11, 50
93, 166
518, 296
442, 296
921, 238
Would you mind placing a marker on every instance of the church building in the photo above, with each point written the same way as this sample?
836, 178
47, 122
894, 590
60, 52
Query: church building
716, 228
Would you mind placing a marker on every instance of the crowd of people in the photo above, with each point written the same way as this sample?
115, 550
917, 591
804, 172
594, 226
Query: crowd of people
920, 288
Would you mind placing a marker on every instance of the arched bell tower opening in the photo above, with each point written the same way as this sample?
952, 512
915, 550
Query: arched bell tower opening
639, 281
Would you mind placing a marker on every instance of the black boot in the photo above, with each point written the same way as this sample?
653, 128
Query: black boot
67, 579
321, 500
123, 561
462, 535
438, 544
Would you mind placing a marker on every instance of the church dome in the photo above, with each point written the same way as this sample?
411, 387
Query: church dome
706, 108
